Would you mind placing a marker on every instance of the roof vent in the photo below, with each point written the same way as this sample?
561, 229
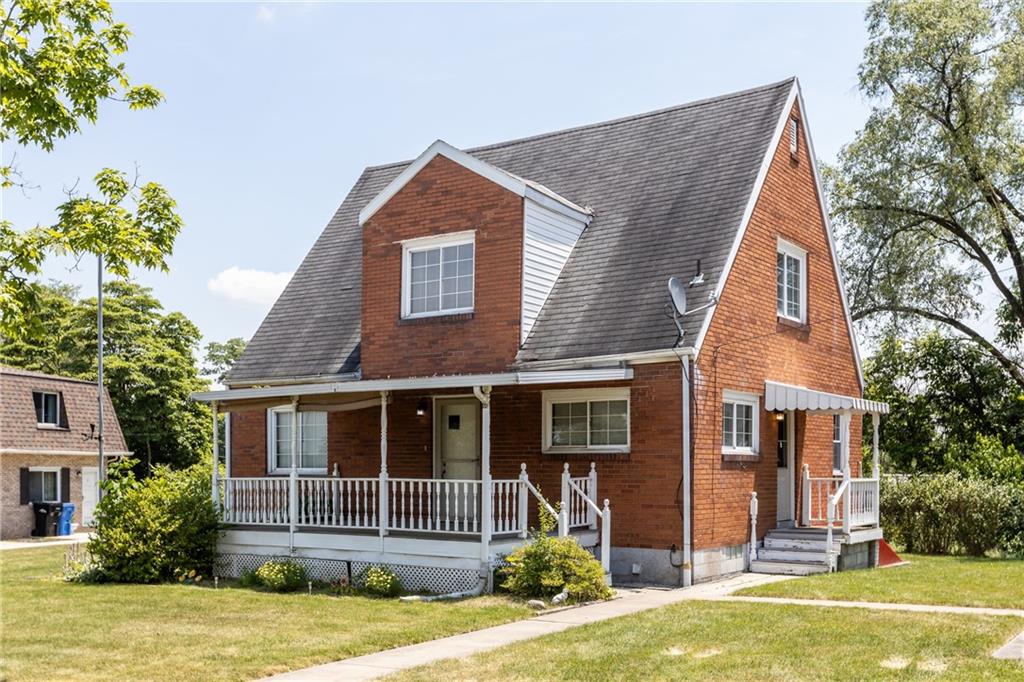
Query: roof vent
793, 136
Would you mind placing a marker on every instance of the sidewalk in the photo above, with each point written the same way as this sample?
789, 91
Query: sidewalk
631, 600
35, 543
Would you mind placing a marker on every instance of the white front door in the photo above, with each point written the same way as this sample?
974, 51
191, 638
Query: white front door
457, 434
90, 494
784, 470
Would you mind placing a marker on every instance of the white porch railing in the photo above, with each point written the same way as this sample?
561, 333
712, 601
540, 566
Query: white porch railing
816, 493
338, 502
576, 492
863, 502
434, 505
256, 501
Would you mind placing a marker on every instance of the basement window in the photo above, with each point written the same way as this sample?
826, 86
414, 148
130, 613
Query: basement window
595, 420
437, 275
740, 423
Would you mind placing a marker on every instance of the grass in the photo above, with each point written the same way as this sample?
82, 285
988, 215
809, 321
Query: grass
745, 641
955, 581
55, 630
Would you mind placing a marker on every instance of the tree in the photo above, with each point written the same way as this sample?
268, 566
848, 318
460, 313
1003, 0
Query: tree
930, 194
220, 357
150, 365
57, 64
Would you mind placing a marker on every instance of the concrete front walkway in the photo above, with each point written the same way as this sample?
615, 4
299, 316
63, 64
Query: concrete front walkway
34, 543
877, 606
630, 600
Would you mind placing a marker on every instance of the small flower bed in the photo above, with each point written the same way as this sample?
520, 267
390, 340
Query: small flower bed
277, 576
381, 581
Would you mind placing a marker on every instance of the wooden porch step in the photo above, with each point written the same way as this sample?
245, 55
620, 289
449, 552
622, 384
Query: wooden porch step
774, 542
794, 555
787, 567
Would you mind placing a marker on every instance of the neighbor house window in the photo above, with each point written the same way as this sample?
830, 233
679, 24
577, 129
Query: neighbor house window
437, 275
791, 282
740, 417
47, 408
312, 440
837, 443
43, 485
586, 420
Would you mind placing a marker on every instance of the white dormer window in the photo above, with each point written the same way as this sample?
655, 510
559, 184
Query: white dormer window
437, 275
47, 407
791, 282
793, 137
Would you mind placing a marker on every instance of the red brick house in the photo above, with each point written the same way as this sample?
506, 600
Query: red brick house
479, 333
48, 452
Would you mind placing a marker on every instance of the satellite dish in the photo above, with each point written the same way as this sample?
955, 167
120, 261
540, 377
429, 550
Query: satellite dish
678, 293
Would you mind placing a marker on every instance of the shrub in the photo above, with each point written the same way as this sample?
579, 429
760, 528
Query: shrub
155, 529
546, 566
950, 514
281, 576
381, 581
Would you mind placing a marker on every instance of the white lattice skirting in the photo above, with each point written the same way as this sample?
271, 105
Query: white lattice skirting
414, 578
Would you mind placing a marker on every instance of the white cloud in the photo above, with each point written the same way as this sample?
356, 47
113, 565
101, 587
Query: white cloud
265, 14
250, 286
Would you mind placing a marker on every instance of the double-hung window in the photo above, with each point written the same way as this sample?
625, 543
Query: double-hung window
740, 423
837, 443
44, 484
791, 282
437, 275
586, 420
312, 456
47, 405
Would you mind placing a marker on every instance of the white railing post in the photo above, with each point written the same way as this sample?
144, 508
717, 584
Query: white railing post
293, 478
753, 526
831, 516
606, 542
563, 520
592, 493
382, 493
876, 466
215, 476
483, 394
806, 494
524, 509
566, 491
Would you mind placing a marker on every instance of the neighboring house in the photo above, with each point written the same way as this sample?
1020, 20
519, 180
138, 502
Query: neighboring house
48, 447
474, 328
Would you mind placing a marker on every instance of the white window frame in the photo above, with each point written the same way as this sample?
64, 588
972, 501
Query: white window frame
47, 425
837, 442
272, 467
550, 398
793, 251
411, 246
754, 401
55, 471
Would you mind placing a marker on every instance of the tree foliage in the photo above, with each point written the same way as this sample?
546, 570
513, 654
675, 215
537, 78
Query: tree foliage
221, 357
58, 63
930, 194
150, 365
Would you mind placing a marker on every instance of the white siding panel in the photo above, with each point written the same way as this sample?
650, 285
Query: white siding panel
548, 239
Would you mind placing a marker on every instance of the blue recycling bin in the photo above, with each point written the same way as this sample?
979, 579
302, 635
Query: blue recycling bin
67, 510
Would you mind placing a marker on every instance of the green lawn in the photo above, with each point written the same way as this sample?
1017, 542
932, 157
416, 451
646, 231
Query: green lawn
957, 581
54, 630
744, 641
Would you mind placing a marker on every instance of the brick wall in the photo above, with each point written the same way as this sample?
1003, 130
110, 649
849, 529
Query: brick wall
642, 485
15, 518
443, 198
746, 345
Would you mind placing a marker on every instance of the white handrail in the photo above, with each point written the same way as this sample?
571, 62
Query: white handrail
832, 501
606, 525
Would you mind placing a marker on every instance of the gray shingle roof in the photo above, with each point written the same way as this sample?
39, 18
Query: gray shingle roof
667, 188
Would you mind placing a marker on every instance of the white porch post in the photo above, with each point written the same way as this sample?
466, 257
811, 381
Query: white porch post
293, 477
483, 394
592, 493
805, 494
382, 496
876, 466
844, 439
215, 476
524, 509
753, 527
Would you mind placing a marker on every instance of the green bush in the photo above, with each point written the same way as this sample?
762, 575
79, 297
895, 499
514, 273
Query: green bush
950, 514
155, 529
547, 566
381, 581
281, 576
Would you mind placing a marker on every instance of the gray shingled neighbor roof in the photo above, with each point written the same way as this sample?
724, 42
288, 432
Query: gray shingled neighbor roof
666, 187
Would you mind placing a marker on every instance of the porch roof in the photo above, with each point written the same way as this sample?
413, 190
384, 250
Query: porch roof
420, 383
778, 397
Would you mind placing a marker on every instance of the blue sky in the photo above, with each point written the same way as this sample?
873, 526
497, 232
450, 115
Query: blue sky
273, 110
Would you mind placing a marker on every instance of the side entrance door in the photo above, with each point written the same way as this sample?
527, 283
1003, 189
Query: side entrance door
90, 494
457, 438
784, 471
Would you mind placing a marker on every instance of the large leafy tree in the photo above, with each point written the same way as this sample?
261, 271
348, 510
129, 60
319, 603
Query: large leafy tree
221, 357
930, 194
150, 365
59, 60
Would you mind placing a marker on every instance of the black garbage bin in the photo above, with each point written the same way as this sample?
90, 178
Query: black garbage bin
47, 516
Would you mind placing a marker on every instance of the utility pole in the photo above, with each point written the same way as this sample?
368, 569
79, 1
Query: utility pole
102, 470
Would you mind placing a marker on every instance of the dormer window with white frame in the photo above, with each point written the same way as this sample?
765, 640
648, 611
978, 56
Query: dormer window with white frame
47, 407
791, 282
437, 275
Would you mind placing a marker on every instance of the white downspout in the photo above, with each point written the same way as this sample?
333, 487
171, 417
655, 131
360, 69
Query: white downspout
684, 361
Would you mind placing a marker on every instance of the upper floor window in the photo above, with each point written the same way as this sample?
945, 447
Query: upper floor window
47, 406
837, 443
740, 417
791, 281
591, 420
437, 275
312, 440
